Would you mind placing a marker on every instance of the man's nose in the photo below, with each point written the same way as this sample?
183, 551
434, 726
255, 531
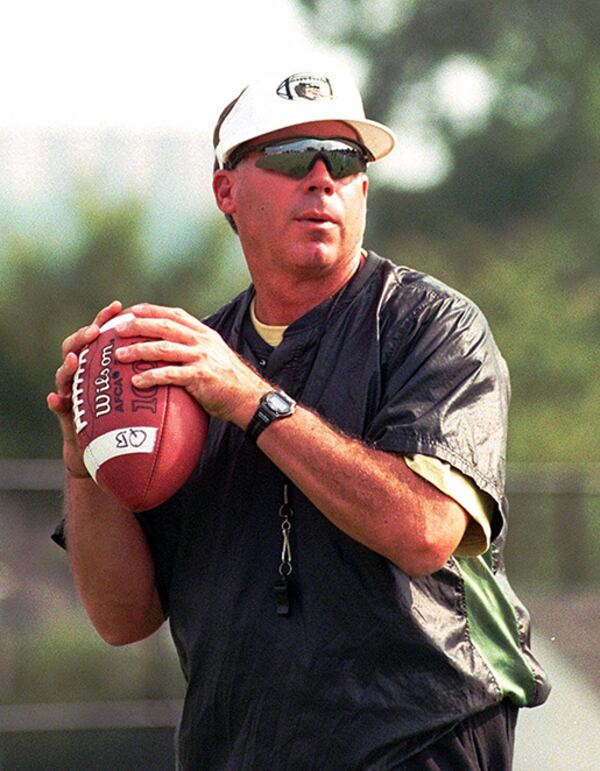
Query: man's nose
319, 178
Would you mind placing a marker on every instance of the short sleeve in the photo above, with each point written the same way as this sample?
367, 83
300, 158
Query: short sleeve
445, 392
464, 491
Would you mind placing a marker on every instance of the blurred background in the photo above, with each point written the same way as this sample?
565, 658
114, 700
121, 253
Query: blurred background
105, 166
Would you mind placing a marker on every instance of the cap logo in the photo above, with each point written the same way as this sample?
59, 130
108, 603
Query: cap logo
303, 85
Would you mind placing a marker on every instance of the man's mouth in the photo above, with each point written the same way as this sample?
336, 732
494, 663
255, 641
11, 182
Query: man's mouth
316, 217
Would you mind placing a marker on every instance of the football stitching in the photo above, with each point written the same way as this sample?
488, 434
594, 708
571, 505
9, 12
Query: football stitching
77, 394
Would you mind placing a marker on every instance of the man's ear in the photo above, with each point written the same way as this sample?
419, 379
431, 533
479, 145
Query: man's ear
223, 189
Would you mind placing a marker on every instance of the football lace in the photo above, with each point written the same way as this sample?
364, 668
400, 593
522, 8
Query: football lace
77, 395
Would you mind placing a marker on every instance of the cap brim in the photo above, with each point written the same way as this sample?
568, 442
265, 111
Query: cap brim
377, 138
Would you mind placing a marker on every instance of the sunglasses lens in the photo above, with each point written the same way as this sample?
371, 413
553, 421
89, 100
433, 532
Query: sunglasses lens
343, 163
296, 158
291, 163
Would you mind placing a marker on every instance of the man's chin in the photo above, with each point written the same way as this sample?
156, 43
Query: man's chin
320, 260
316, 259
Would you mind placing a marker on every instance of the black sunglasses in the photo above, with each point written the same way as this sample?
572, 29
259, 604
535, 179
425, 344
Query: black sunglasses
296, 157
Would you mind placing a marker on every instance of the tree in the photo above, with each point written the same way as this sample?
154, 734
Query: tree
47, 296
502, 98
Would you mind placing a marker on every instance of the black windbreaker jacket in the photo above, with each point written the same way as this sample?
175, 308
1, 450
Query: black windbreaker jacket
370, 664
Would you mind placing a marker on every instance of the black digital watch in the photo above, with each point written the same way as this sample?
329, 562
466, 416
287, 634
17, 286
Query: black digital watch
274, 405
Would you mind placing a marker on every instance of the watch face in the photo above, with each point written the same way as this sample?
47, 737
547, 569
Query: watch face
278, 403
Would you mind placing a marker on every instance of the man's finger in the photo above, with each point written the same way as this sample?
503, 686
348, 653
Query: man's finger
148, 310
78, 340
90, 332
163, 328
64, 374
108, 312
173, 374
162, 350
58, 404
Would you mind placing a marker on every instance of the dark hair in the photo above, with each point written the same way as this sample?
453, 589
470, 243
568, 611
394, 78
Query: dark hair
217, 138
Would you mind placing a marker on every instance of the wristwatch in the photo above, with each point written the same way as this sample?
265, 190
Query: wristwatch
274, 405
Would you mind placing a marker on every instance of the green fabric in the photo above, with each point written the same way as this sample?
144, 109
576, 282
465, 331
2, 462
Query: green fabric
494, 629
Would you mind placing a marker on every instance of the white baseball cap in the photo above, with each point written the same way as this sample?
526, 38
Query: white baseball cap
274, 103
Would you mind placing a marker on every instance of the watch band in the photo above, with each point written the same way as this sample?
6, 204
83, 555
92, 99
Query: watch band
273, 405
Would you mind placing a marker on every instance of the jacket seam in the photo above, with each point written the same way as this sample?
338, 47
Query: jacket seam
425, 441
430, 295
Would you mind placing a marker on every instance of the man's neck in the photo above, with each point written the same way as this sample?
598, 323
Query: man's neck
285, 299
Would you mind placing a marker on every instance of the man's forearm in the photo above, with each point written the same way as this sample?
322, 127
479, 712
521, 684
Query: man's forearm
111, 563
369, 494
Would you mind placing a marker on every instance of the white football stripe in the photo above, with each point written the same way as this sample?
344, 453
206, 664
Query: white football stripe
121, 319
122, 441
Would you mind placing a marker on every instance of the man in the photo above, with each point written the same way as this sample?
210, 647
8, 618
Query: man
333, 571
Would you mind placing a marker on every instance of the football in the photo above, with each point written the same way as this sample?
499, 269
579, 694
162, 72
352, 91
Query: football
140, 445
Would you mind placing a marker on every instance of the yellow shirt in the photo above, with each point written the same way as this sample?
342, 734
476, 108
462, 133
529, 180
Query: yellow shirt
462, 489
442, 475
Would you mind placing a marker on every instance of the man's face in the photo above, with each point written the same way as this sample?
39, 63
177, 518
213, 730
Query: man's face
306, 226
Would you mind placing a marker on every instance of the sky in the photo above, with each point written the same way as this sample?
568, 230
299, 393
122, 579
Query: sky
139, 65
155, 67
125, 94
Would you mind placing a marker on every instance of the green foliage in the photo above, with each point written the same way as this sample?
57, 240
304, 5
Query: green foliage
545, 321
48, 296
66, 661
512, 220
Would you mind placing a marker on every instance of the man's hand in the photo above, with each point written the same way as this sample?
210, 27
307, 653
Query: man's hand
199, 360
108, 552
59, 401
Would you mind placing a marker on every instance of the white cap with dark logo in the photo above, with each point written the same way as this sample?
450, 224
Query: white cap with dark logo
272, 104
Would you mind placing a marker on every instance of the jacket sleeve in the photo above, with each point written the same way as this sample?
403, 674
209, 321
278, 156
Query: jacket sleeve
445, 392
